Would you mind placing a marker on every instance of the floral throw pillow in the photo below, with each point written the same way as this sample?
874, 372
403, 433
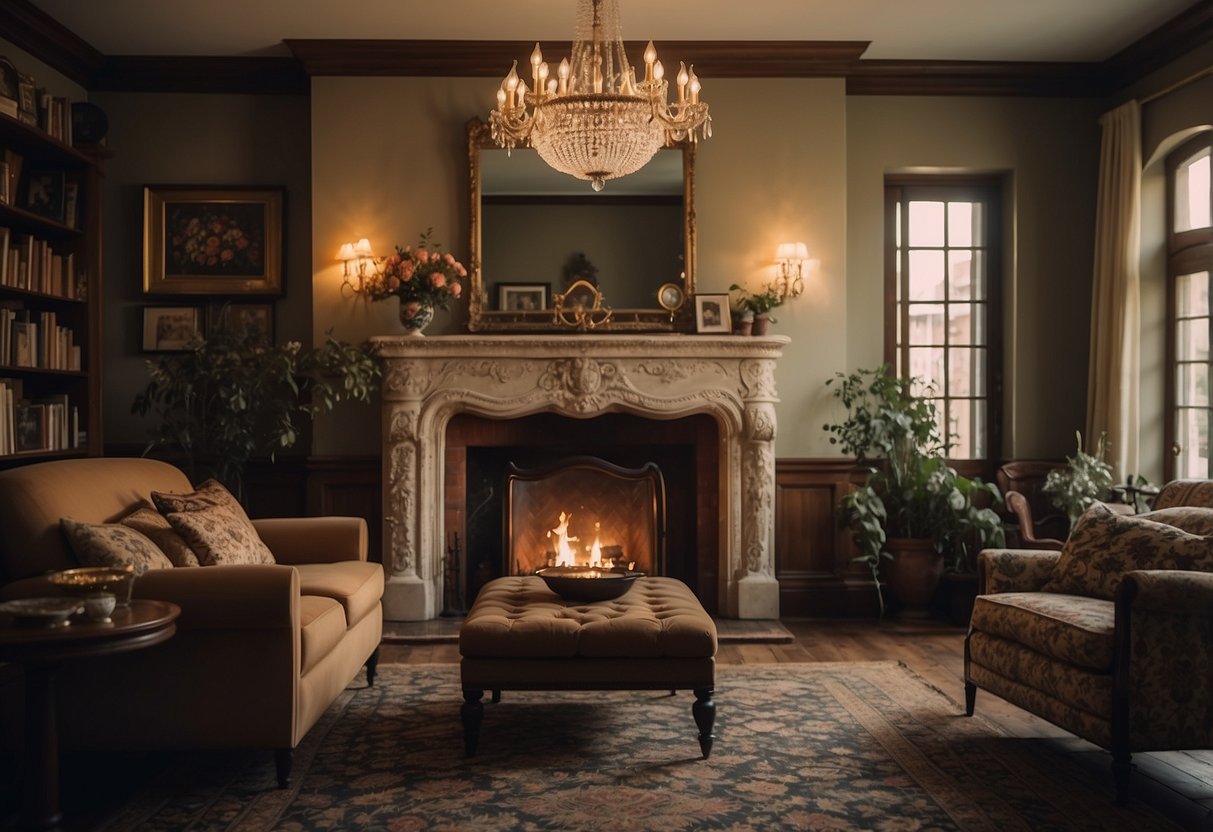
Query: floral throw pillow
112, 544
1105, 545
210, 493
218, 536
147, 521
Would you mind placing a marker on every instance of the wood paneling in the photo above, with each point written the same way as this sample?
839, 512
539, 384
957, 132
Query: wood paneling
813, 553
349, 487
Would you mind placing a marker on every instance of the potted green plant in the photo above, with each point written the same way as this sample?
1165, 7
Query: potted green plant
914, 512
759, 306
1086, 479
232, 394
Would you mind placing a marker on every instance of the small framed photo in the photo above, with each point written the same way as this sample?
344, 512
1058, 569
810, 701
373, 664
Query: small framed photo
170, 328
712, 314
44, 193
252, 319
523, 297
212, 241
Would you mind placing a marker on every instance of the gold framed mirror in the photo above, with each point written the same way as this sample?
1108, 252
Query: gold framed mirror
534, 227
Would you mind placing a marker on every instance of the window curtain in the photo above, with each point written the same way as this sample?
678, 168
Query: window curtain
1113, 388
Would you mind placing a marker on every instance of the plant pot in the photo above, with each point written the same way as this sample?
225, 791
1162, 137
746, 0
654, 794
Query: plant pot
913, 574
761, 324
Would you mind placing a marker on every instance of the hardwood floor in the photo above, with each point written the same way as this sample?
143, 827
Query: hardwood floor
1178, 783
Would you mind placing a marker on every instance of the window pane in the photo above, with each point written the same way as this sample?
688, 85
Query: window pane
960, 273
927, 324
961, 429
926, 275
964, 224
926, 223
1192, 388
926, 365
980, 420
966, 323
1192, 339
1192, 193
1192, 294
1192, 434
966, 372
980, 289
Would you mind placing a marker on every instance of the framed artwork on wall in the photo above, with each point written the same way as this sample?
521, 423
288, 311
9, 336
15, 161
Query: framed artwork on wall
256, 319
170, 328
712, 314
212, 241
523, 297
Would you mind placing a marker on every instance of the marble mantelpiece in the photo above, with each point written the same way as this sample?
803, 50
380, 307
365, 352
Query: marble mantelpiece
428, 380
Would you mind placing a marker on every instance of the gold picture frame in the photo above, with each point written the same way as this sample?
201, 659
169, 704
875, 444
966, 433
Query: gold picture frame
212, 241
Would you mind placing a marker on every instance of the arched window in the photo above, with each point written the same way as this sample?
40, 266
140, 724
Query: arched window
1190, 324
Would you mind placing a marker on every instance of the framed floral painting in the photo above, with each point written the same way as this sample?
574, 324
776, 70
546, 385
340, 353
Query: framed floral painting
212, 241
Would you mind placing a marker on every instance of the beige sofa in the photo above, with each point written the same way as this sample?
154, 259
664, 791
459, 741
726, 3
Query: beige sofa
260, 650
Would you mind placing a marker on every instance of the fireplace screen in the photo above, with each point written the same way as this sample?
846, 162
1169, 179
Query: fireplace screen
585, 512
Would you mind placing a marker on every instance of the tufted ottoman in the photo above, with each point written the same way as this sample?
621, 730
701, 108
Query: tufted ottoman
519, 635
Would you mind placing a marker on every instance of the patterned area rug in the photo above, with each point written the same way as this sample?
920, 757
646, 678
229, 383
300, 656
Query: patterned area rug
798, 746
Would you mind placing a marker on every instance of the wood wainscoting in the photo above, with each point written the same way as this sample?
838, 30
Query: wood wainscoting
813, 553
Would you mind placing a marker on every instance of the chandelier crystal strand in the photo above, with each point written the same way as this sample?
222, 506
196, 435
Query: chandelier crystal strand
594, 120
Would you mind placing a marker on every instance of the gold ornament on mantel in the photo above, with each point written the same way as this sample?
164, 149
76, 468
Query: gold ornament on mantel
594, 120
585, 310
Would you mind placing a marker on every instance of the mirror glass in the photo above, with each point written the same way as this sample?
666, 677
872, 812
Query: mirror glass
536, 231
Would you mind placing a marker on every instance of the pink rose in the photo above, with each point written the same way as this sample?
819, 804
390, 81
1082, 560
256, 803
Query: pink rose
411, 309
393, 261
437, 279
456, 290
407, 269
449, 259
393, 283
423, 256
460, 270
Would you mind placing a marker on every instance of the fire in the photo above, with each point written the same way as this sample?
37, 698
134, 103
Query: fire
567, 554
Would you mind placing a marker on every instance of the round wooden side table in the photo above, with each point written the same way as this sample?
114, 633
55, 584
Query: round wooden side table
42, 650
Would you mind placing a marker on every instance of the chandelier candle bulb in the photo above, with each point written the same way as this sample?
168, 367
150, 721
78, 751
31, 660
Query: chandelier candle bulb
682, 82
650, 56
562, 72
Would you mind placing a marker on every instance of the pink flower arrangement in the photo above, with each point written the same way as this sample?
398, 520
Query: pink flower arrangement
421, 276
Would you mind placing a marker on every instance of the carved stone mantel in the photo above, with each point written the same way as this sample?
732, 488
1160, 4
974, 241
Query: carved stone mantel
428, 380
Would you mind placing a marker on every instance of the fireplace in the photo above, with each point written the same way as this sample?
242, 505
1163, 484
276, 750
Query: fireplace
584, 512
565, 384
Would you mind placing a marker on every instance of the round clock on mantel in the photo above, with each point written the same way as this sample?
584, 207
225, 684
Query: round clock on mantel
670, 296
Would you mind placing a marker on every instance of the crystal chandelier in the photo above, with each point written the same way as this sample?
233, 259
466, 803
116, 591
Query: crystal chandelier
594, 120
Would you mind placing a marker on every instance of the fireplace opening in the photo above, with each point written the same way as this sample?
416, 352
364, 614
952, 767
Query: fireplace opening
585, 512
480, 450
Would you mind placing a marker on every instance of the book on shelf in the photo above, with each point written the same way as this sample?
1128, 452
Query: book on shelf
14, 162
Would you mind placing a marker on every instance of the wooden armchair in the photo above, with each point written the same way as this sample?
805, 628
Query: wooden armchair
1017, 504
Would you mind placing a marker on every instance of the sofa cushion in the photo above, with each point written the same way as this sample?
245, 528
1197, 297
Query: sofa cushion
355, 584
1105, 545
210, 493
218, 536
322, 626
1073, 628
147, 521
112, 544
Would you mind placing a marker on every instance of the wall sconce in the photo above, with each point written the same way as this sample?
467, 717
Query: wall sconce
790, 261
357, 258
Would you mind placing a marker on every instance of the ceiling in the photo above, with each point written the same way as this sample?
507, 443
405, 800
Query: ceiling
987, 30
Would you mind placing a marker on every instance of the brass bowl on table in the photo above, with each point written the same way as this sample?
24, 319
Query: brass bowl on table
94, 580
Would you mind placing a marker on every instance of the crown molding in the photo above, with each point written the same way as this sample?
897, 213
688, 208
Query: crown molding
492, 58
48, 40
1181, 34
990, 78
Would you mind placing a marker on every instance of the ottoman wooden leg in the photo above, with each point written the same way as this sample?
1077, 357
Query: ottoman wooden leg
704, 711
472, 712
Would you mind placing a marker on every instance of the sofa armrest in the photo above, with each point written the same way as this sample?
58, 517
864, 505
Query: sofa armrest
314, 539
226, 597
1014, 570
1171, 591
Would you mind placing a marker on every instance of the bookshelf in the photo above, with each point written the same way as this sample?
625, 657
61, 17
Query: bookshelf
50, 297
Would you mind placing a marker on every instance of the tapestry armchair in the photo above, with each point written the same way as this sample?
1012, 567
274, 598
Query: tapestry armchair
1110, 638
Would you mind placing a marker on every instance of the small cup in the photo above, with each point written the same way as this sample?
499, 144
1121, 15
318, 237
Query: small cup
97, 608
